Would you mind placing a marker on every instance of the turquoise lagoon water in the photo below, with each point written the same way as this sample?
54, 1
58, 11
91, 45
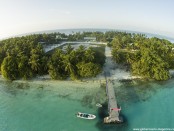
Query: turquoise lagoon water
51, 106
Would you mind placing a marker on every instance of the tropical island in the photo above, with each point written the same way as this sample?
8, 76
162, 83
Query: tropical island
25, 57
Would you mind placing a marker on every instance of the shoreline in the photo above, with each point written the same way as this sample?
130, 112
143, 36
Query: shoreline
62, 87
121, 76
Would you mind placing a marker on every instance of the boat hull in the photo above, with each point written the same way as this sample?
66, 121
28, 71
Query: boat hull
86, 116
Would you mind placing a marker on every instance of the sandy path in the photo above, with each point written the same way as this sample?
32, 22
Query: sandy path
113, 70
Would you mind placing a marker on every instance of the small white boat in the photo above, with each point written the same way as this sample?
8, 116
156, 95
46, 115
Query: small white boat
86, 116
98, 105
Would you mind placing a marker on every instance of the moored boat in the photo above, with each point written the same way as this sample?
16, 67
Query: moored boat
86, 115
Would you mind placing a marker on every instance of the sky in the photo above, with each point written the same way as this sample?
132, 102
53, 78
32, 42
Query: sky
24, 16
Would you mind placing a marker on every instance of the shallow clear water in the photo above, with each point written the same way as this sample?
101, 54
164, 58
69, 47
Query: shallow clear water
44, 106
148, 105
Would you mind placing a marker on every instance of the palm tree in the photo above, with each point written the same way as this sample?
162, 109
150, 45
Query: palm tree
9, 68
24, 68
56, 65
70, 63
68, 49
80, 53
33, 61
69, 67
89, 55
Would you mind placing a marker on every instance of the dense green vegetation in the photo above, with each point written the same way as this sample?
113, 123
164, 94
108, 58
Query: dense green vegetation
77, 63
146, 57
24, 57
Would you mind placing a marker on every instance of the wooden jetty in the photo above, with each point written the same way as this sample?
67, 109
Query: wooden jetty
113, 110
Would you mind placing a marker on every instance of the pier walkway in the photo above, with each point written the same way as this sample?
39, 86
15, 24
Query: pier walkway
112, 105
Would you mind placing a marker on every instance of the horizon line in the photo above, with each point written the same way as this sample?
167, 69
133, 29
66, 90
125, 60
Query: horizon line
95, 29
